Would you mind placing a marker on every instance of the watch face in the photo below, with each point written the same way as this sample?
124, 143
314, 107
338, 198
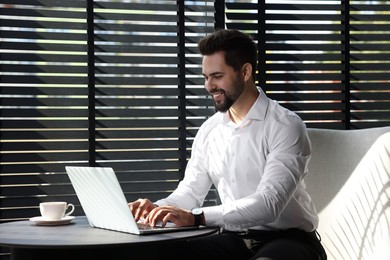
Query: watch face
197, 211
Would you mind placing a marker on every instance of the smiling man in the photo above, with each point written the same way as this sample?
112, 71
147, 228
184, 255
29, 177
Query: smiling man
255, 153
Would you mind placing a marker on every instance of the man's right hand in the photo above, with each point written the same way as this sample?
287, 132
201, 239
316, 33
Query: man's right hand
141, 208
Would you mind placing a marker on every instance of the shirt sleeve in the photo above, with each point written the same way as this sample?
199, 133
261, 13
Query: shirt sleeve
194, 187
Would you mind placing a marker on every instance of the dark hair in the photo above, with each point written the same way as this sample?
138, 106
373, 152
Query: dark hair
239, 48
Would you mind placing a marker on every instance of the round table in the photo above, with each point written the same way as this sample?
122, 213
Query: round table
79, 240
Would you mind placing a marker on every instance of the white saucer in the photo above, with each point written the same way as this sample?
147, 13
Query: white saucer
45, 222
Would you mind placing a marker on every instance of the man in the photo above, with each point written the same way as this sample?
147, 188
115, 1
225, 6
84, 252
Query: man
256, 153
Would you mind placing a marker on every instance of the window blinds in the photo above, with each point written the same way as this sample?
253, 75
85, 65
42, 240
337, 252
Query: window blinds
369, 51
118, 83
147, 90
44, 104
326, 60
104, 83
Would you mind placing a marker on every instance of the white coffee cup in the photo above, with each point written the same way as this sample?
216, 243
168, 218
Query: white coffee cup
55, 210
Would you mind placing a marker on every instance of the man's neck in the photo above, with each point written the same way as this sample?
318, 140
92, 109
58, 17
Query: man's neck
243, 104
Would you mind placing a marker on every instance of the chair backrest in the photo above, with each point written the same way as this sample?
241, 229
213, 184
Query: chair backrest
349, 181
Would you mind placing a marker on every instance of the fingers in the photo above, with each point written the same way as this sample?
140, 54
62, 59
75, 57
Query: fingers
170, 217
141, 208
133, 206
153, 215
163, 215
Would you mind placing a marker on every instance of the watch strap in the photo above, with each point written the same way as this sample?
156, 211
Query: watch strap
198, 219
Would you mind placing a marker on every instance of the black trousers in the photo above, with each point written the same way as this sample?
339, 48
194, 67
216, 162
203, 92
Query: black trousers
292, 244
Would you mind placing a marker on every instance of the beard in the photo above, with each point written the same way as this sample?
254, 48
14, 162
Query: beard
237, 87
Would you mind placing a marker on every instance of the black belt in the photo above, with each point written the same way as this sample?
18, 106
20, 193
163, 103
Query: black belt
270, 235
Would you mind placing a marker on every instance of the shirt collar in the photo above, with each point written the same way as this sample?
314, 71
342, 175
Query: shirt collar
258, 110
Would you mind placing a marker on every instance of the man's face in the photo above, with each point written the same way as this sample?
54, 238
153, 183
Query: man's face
223, 83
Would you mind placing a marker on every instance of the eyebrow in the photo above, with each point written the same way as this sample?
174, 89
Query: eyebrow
213, 74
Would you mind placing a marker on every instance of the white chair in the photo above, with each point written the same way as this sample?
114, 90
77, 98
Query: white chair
349, 181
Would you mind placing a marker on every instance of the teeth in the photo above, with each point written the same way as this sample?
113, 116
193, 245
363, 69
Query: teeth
217, 94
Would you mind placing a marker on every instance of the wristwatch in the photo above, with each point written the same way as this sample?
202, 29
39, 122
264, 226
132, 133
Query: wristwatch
198, 214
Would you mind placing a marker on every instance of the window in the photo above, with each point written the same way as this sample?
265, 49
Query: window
107, 83
118, 83
326, 60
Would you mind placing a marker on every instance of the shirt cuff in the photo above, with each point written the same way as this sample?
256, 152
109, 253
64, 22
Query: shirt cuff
213, 216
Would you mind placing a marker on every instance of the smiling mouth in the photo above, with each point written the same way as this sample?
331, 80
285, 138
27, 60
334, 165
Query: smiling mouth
217, 92
217, 96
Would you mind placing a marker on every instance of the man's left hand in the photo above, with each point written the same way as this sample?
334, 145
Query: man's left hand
163, 215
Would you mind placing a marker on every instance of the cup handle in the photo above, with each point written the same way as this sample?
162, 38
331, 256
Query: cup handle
70, 205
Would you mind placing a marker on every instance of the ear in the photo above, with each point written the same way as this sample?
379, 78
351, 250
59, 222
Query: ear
246, 71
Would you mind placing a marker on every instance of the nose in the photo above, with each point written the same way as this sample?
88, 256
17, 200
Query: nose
209, 85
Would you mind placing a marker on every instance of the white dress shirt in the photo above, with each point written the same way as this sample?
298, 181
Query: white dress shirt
258, 168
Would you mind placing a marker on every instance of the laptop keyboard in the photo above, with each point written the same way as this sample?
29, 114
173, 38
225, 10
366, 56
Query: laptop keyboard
142, 226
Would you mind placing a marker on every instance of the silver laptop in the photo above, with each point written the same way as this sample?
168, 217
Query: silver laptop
104, 203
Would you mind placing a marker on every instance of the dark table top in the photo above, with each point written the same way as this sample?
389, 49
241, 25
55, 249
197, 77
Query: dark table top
79, 234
